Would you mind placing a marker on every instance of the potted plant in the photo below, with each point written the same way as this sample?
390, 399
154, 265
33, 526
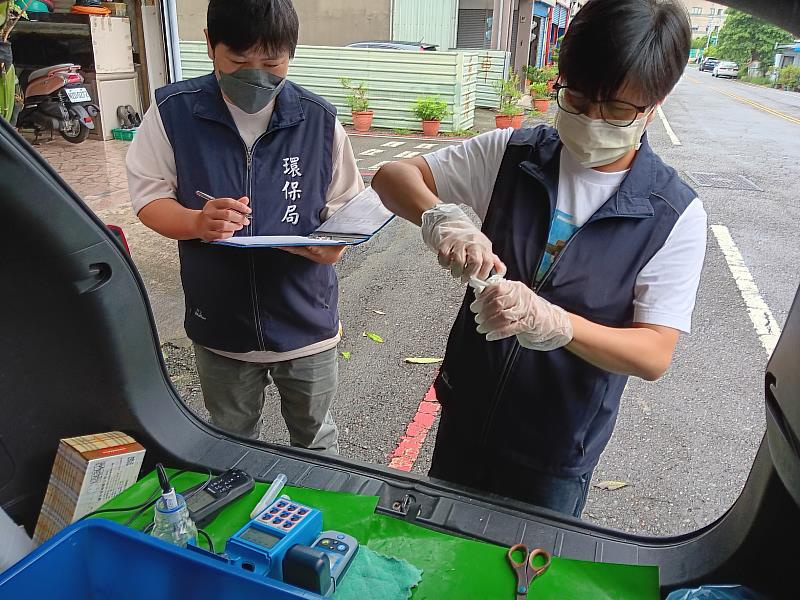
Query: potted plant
541, 97
510, 113
430, 110
10, 14
358, 102
550, 75
532, 75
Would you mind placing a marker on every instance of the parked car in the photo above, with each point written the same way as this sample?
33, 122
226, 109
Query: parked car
726, 68
386, 45
708, 64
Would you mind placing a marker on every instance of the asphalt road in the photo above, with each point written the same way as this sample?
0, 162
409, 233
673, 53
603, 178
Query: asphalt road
686, 442
683, 445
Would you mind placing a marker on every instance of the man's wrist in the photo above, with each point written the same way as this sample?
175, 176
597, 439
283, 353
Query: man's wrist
194, 231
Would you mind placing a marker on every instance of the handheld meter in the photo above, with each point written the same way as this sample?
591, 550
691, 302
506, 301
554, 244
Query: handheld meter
341, 549
205, 504
259, 546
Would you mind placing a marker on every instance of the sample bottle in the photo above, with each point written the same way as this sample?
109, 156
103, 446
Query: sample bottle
174, 525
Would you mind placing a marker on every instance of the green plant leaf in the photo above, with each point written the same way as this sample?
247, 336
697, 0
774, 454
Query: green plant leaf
417, 360
357, 99
374, 337
346, 355
610, 485
430, 108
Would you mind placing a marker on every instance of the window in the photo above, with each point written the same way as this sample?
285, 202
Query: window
711, 11
474, 29
720, 11
708, 402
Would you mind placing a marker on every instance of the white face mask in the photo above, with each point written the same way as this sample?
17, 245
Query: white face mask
596, 143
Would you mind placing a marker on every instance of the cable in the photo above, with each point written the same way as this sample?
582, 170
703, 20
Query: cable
139, 512
144, 505
153, 501
208, 539
202, 487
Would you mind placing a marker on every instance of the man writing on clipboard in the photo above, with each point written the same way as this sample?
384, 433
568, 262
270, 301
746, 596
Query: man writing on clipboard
277, 162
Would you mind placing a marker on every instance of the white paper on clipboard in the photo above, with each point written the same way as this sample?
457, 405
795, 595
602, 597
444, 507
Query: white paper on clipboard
355, 223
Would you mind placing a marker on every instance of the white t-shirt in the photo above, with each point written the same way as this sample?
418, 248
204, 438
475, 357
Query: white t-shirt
667, 285
152, 175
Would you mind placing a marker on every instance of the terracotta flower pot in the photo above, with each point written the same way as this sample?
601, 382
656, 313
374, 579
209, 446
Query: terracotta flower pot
502, 121
362, 120
541, 104
516, 121
550, 85
431, 128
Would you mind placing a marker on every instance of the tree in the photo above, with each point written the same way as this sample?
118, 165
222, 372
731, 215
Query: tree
744, 38
700, 42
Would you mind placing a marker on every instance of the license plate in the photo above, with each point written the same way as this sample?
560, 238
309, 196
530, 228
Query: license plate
78, 94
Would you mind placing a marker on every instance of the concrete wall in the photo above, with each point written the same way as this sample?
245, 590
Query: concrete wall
322, 22
486, 4
191, 19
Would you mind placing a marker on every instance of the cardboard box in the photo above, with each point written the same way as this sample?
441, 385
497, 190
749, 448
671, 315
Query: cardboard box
87, 472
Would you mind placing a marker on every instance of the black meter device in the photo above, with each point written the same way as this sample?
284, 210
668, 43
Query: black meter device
205, 503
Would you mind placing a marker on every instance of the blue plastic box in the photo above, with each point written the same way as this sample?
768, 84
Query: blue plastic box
101, 560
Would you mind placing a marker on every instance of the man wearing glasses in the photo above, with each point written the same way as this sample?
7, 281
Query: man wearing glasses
597, 247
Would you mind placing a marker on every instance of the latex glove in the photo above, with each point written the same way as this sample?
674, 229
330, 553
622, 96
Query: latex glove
462, 247
507, 308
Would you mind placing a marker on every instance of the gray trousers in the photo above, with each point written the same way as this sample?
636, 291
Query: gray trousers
233, 392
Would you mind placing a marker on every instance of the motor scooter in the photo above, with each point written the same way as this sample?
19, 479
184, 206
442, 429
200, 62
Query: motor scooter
56, 99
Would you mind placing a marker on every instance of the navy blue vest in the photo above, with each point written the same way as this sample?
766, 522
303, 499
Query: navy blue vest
553, 411
262, 299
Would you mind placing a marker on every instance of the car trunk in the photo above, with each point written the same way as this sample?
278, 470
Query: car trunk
79, 355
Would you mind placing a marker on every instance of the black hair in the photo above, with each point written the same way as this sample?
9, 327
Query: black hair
641, 45
271, 26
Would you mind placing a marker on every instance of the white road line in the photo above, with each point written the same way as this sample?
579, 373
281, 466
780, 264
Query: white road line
372, 152
426, 146
377, 166
393, 144
668, 127
765, 324
407, 154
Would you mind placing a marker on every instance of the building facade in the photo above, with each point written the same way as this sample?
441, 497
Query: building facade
706, 17
322, 22
529, 29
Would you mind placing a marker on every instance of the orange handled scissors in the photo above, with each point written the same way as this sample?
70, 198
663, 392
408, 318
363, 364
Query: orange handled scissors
525, 570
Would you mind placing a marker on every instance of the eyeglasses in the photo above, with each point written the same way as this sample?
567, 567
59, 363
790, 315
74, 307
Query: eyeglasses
614, 112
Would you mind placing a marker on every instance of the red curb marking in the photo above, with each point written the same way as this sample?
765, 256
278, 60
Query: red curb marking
440, 138
405, 454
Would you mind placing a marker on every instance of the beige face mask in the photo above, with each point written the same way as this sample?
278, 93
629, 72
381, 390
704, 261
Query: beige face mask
596, 143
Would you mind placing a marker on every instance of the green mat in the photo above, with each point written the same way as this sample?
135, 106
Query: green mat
452, 567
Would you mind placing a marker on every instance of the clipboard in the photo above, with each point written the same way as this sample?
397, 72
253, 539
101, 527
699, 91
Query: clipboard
356, 222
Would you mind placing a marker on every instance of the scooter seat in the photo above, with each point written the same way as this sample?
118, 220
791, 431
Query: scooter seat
43, 72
